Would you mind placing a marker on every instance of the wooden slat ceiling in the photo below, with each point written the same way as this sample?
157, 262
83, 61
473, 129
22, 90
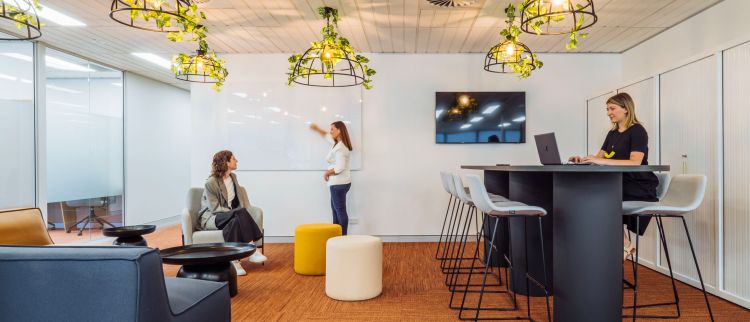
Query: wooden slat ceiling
372, 26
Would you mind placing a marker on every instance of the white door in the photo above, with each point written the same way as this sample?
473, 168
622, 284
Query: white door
688, 119
736, 172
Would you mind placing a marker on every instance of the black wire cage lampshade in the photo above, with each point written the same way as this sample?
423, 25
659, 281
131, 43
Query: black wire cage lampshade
557, 17
328, 67
197, 68
21, 15
504, 55
328, 64
127, 13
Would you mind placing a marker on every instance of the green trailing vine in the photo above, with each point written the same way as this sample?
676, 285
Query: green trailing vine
187, 22
522, 65
330, 51
20, 16
186, 26
186, 15
537, 10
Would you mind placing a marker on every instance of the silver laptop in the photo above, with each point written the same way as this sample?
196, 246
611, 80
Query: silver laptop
546, 146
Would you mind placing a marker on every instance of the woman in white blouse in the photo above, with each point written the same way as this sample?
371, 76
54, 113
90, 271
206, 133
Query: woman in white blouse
338, 176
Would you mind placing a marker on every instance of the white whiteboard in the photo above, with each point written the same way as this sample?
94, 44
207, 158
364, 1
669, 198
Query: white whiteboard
266, 123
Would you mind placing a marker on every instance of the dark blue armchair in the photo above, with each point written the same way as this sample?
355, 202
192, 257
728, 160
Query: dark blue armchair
52, 283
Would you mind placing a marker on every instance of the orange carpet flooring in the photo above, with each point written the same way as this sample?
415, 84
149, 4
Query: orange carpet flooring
413, 290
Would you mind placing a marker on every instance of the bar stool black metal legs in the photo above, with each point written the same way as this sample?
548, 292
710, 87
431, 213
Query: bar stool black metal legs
442, 230
453, 276
529, 281
676, 302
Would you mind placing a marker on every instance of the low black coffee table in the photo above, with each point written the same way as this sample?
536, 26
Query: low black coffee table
129, 235
211, 262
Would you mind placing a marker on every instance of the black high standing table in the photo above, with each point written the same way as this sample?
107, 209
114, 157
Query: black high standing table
582, 233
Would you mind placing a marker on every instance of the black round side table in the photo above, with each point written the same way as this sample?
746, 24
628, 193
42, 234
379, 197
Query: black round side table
211, 262
129, 235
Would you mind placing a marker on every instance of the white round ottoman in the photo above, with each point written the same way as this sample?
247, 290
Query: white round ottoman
354, 267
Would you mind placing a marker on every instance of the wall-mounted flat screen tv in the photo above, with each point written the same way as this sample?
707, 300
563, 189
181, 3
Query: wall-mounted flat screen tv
480, 117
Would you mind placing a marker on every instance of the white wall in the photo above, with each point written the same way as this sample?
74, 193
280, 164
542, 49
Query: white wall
722, 25
398, 190
157, 149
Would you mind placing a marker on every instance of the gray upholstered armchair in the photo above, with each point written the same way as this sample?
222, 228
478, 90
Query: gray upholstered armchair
65, 283
190, 232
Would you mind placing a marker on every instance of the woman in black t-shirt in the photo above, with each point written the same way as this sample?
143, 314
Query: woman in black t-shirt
627, 144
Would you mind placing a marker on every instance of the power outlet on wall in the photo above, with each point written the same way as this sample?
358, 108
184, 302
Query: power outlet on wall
353, 220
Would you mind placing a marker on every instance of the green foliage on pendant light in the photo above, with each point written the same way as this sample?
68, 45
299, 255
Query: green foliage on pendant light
538, 14
20, 16
329, 51
512, 52
182, 19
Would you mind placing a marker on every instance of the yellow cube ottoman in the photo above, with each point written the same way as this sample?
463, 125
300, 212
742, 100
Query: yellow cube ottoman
310, 247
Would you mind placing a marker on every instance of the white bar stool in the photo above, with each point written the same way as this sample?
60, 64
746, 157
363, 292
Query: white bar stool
446, 181
456, 257
460, 194
507, 209
684, 194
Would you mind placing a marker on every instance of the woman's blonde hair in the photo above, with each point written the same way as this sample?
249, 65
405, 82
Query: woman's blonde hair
625, 101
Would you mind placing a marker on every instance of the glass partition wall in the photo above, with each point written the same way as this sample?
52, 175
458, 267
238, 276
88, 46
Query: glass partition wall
84, 147
80, 120
17, 175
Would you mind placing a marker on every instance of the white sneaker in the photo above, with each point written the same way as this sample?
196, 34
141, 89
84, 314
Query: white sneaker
238, 268
257, 258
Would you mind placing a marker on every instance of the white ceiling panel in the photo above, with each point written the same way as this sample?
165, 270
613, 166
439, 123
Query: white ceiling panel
387, 26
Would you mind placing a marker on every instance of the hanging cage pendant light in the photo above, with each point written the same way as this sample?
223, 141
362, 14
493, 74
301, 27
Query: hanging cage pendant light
557, 17
502, 57
203, 67
159, 12
511, 55
330, 62
20, 14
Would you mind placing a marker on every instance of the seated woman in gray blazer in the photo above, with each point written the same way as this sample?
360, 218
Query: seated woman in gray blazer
222, 207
